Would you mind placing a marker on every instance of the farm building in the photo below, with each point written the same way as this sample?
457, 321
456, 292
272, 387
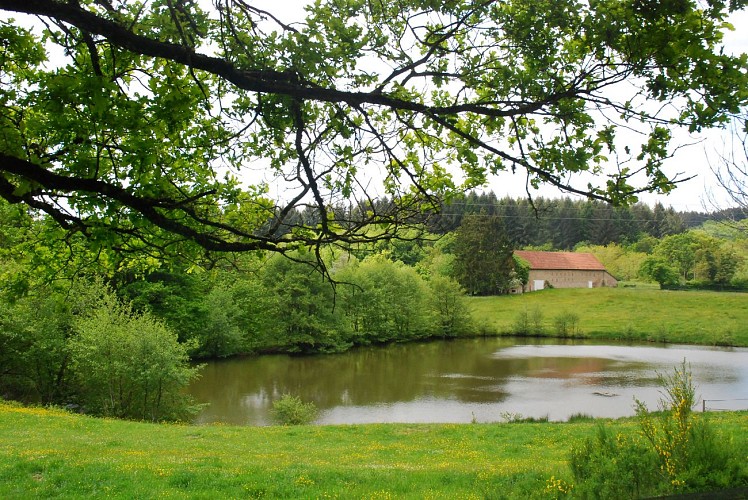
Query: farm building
564, 270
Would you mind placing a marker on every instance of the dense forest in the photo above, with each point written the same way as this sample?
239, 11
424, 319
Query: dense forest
562, 224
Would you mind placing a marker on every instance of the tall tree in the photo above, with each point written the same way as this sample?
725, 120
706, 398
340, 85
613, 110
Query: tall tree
483, 262
144, 124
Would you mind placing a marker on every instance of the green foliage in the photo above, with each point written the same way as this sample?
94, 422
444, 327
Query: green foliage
83, 346
674, 451
522, 270
528, 322
146, 108
388, 301
408, 247
566, 324
691, 456
175, 297
692, 257
518, 418
623, 262
483, 263
304, 316
34, 349
291, 410
580, 417
127, 364
659, 270
450, 310
612, 466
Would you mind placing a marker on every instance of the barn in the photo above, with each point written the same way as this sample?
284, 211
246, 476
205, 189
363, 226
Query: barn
564, 270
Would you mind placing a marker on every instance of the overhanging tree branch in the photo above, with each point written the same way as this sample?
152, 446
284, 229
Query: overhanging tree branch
155, 102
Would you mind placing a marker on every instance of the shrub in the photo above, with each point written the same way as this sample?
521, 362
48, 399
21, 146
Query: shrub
128, 365
580, 417
567, 324
691, 456
522, 323
613, 466
291, 410
518, 418
673, 452
529, 322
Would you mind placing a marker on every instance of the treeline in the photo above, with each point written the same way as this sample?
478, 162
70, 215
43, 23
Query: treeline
123, 348
562, 223
554, 223
282, 304
105, 337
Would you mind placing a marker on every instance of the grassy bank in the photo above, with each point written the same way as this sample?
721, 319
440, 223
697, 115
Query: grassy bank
45, 453
694, 317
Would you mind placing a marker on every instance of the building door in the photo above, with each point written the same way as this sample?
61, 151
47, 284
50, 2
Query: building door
538, 284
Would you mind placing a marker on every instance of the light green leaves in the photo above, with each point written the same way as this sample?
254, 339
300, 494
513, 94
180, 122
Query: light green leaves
415, 101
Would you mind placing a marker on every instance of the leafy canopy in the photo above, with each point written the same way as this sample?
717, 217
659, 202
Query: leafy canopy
159, 125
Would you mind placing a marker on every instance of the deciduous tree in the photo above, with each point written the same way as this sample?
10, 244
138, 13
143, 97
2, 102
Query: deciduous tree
160, 124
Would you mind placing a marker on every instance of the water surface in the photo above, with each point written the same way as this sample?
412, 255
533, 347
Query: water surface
484, 380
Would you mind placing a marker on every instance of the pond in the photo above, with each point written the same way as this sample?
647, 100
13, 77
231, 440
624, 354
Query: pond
484, 380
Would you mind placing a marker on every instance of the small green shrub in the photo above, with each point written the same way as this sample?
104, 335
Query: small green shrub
566, 324
291, 410
673, 452
613, 466
521, 324
529, 322
536, 321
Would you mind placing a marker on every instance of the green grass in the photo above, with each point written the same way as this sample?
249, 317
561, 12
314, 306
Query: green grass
694, 317
51, 453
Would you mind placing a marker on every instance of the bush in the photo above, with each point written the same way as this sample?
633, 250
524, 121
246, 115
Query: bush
518, 418
609, 466
127, 364
691, 456
34, 332
673, 452
449, 308
567, 324
529, 322
290, 410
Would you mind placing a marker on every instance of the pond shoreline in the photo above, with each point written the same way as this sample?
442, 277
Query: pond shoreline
657, 317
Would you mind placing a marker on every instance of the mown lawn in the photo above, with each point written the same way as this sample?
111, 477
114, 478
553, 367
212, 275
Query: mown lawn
51, 453
695, 317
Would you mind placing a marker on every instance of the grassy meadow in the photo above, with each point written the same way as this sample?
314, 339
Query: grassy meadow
52, 453
646, 314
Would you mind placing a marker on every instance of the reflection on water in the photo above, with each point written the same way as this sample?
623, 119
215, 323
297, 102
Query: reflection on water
458, 381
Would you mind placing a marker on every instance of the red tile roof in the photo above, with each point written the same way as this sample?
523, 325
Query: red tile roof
560, 260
